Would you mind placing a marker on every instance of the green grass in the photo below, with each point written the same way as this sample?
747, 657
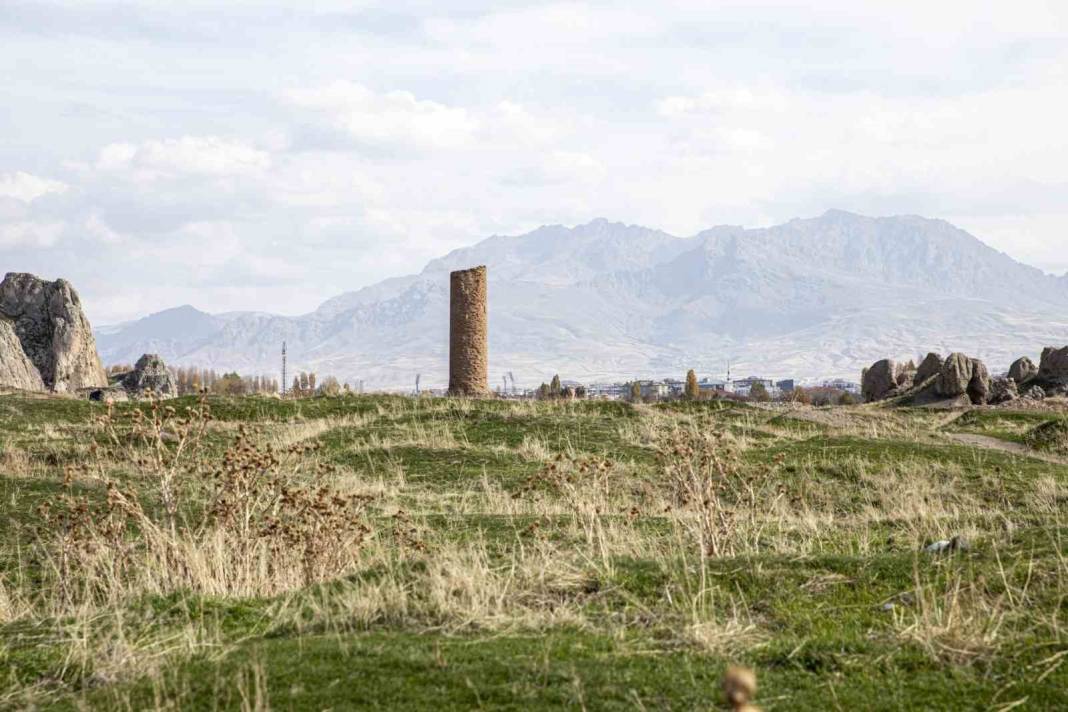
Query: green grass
557, 669
1050, 436
1005, 425
586, 592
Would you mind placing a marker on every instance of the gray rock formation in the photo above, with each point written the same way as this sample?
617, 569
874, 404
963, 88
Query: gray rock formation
879, 381
111, 394
1023, 369
955, 376
962, 375
930, 366
979, 385
16, 369
1053, 368
54, 334
905, 374
1003, 390
150, 374
1035, 393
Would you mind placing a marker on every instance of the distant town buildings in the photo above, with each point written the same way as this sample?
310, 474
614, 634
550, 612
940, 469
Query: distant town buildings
840, 384
668, 388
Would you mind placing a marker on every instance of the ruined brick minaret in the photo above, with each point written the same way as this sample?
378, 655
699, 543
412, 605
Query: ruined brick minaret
468, 342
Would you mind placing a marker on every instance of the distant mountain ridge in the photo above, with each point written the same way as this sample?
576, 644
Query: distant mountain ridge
817, 297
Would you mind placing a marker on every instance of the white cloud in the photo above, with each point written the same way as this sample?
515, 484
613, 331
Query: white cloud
30, 234
26, 187
737, 98
321, 180
546, 25
558, 167
359, 152
192, 155
394, 118
100, 230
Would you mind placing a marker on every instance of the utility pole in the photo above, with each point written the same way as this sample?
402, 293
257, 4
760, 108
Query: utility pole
283, 369
510, 375
417, 376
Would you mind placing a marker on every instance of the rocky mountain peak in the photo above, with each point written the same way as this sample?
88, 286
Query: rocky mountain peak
606, 300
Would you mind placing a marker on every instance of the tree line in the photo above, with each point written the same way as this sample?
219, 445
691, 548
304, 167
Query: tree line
192, 380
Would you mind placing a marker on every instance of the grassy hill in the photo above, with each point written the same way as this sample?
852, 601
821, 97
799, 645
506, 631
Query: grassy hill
398, 553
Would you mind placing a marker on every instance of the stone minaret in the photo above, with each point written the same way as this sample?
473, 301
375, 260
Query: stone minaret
468, 343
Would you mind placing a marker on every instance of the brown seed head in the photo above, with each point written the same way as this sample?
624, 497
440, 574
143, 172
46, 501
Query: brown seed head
739, 686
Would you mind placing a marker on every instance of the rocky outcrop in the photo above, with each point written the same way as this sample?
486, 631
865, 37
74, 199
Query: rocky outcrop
1035, 393
53, 332
16, 369
1053, 368
979, 385
879, 381
1002, 390
111, 394
954, 377
1023, 369
150, 375
963, 375
930, 366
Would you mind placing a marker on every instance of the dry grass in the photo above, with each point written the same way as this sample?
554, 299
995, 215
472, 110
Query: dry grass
355, 548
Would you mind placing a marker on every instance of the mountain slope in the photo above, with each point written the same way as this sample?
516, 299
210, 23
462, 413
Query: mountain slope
815, 297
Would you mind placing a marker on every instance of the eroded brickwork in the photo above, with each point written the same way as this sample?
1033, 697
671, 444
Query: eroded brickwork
468, 333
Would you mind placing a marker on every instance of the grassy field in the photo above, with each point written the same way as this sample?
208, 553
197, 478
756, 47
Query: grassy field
388, 552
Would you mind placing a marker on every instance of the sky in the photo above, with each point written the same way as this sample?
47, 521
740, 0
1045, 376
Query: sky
266, 155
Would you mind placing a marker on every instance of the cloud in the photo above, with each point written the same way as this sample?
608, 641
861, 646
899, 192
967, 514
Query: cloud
26, 187
558, 167
226, 141
392, 119
191, 155
97, 228
735, 98
31, 234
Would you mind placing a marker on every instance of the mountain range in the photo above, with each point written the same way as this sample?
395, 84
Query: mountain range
811, 298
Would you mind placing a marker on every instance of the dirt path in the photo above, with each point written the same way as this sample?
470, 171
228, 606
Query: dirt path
989, 443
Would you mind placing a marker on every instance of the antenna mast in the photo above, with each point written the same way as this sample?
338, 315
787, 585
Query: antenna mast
283, 369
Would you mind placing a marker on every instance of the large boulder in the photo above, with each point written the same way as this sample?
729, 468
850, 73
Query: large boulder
16, 369
954, 377
1053, 368
1023, 369
879, 381
962, 375
150, 375
979, 385
53, 331
930, 366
